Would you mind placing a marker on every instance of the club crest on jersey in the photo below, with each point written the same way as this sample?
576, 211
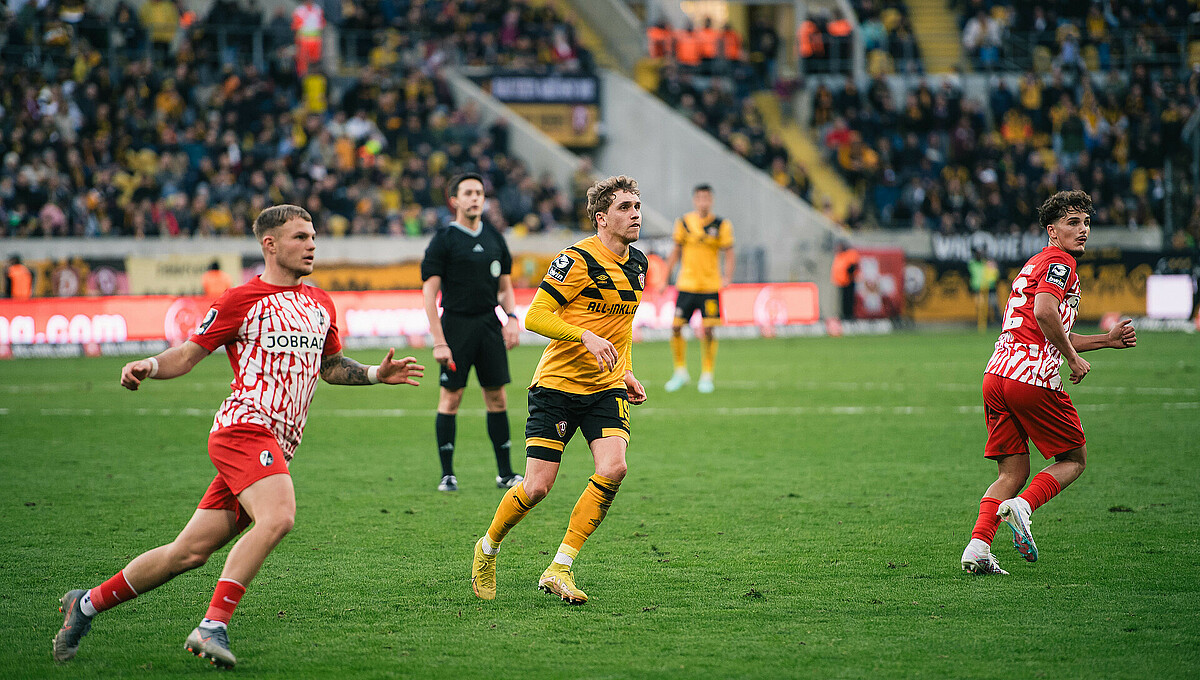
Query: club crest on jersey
208, 320
266, 458
561, 426
559, 268
1058, 274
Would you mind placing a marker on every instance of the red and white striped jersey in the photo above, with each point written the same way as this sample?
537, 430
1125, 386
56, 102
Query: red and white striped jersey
1023, 353
308, 21
275, 337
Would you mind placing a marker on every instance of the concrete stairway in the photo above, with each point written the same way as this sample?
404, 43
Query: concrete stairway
936, 29
827, 184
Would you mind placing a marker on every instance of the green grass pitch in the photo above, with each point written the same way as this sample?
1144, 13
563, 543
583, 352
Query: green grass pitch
805, 520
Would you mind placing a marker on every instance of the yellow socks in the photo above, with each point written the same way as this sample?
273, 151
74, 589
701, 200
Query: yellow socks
513, 508
708, 355
679, 352
589, 512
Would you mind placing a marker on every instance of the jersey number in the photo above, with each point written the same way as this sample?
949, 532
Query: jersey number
623, 409
1018, 299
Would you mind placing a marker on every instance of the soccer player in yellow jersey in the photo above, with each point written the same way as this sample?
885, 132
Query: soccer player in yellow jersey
700, 238
585, 305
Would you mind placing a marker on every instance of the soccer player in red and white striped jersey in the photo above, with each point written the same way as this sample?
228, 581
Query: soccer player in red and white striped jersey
1022, 389
280, 335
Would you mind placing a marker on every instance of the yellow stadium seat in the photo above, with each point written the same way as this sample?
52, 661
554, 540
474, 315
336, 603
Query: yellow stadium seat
879, 63
1041, 59
1193, 52
1091, 57
1139, 182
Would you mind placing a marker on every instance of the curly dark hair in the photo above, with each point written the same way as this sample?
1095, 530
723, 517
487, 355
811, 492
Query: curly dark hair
600, 196
1057, 206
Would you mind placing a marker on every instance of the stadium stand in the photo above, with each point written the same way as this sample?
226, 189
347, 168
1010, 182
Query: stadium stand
1077, 36
111, 128
888, 37
929, 157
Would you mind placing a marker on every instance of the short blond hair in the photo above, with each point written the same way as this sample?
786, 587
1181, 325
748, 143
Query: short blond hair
600, 196
276, 216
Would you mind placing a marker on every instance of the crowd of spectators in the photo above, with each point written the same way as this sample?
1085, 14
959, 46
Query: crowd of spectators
191, 143
713, 90
934, 159
1076, 35
510, 34
725, 111
888, 38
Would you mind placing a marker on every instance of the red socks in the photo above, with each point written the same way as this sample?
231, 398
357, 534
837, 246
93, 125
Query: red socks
224, 600
1043, 487
988, 522
112, 592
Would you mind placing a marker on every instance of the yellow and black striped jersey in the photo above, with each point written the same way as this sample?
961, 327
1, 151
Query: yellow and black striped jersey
701, 241
593, 291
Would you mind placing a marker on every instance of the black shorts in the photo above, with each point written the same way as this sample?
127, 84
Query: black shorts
709, 305
474, 341
555, 415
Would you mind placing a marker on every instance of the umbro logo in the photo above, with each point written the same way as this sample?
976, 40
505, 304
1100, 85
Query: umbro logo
477, 249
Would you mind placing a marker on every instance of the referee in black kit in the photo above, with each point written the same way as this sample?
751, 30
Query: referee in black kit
468, 261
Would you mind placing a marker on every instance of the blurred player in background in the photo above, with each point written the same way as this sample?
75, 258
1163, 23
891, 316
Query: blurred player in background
469, 263
585, 381
700, 238
280, 335
1022, 389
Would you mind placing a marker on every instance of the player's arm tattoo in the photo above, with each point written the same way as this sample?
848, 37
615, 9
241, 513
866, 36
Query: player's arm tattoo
337, 369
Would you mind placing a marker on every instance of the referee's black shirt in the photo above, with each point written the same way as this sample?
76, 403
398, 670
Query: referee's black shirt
470, 266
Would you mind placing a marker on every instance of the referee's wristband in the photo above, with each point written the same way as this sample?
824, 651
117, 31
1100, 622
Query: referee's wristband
511, 314
373, 375
153, 367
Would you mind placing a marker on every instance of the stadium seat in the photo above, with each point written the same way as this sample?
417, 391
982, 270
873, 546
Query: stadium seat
1042, 59
880, 63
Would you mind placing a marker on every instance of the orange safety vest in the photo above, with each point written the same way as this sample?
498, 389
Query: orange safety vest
839, 28
659, 40
708, 39
841, 267
21, 280
687, 48
809, 39
733, 45
215, 282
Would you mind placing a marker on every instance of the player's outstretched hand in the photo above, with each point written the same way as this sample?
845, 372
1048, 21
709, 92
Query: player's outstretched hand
134, 373
634, 392
603, 350
1079, 368
401, 371
1122, 335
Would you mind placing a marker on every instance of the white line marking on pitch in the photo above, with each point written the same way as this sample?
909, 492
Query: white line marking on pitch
646, 411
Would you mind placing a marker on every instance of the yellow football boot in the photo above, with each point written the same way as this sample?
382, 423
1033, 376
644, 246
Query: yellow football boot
483, 573
559, 580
